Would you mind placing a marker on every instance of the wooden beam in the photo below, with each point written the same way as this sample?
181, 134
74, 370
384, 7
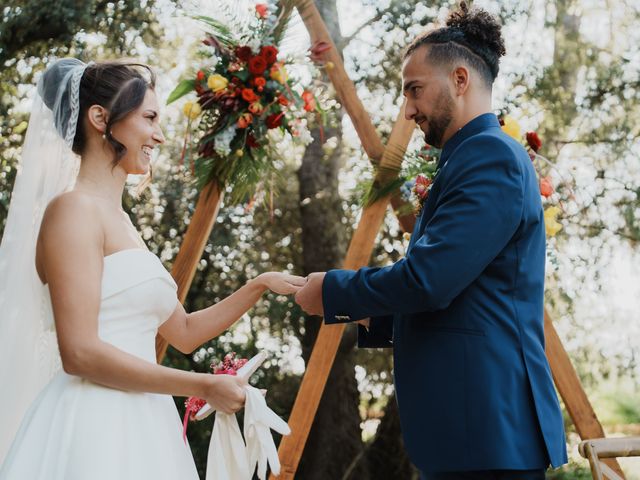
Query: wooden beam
198, 231
345, 88
570, 389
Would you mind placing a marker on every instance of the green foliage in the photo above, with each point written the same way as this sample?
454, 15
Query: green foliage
184, 87
571, 471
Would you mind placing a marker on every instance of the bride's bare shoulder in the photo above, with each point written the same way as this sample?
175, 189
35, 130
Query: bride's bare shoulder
71, 208
71, 216
71, 224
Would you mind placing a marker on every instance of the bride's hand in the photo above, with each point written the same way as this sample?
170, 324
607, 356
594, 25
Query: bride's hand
282, 283
225, 393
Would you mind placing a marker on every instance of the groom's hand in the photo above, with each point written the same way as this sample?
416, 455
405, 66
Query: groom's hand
309, 297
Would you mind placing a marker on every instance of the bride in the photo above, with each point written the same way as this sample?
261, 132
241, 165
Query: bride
84, 268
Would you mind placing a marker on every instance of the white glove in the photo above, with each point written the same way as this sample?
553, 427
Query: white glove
258, 420
227, 457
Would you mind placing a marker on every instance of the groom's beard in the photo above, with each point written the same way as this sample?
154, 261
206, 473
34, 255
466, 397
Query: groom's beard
438, 123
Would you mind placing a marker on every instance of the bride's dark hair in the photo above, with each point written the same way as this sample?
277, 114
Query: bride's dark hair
119, 87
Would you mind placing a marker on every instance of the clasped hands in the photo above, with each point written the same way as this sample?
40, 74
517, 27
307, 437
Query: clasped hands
307, 290
309, 297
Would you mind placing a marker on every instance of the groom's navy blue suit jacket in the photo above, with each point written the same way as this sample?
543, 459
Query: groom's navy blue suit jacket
463, 312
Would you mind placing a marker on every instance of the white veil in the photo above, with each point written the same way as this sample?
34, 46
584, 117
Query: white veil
28, 348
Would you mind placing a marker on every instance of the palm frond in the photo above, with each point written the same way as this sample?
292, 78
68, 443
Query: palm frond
219, 30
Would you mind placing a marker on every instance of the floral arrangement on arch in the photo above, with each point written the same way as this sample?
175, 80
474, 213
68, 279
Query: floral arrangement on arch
247, 102
533, 144
419, 170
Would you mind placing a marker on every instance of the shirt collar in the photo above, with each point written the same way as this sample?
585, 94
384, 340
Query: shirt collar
481, 122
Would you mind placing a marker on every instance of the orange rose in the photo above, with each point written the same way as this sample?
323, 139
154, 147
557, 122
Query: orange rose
245, 120
256, 108
249, 95
546, 187
282, 100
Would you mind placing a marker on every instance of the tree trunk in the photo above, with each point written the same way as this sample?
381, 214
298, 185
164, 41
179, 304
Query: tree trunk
385, 456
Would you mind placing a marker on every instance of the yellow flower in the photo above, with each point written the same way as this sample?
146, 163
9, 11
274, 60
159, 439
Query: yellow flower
511, 128
239, 152
192, 110
217, 82
551, 224
278, 73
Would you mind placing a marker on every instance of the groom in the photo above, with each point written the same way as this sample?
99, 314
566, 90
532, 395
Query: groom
463, 310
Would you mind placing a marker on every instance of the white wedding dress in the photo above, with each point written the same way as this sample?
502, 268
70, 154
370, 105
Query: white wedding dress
79, 430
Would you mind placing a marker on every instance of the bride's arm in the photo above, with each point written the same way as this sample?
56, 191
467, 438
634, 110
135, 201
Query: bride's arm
70, 258
187, 331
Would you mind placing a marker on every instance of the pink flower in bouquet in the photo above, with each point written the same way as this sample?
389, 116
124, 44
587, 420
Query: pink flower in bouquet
257, 65
229, 366
262, 10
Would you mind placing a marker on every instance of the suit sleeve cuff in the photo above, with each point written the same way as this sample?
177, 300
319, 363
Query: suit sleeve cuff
335, 299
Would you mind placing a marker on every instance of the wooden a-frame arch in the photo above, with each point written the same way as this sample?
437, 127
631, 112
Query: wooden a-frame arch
358, 254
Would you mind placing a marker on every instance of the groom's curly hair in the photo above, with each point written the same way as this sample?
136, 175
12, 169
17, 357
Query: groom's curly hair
471, 35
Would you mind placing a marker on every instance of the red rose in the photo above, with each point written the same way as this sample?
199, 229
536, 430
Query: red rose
422, 186
200, 76
274, 120
259, 82
249, 95
534, 141
243, 53
262, 10
251, 141
270, 54
257, 65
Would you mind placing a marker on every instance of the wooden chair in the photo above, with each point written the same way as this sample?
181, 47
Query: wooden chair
597, 449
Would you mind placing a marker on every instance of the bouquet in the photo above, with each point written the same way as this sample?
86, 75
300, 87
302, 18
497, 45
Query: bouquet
247, 101
229, 366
